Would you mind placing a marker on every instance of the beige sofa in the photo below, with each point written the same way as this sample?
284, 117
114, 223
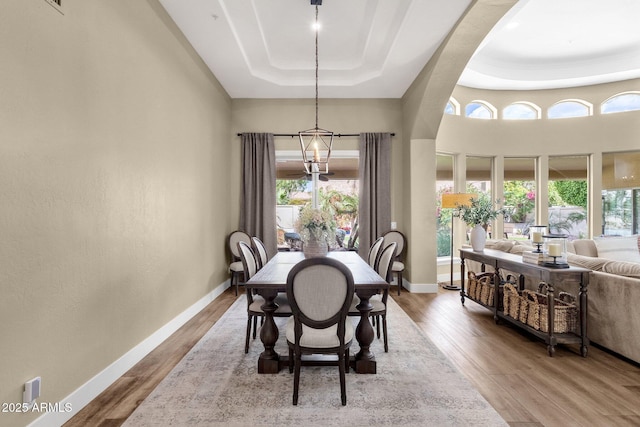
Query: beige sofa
613, 292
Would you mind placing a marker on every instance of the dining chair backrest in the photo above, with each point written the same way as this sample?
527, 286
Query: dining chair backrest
385, 261
234, 238
320, 291
398, 237
249, 261
374, 251
260, 251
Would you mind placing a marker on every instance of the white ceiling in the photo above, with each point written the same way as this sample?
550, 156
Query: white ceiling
376, 48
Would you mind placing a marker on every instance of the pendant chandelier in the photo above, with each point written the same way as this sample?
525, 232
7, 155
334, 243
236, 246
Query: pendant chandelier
316, 143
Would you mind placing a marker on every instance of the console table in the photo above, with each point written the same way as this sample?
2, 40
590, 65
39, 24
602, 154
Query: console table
513, 263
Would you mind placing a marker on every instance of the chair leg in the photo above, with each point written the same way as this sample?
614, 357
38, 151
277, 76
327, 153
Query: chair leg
234, 280
255, 326
399, 276
346, 360
343, 388
291, 360
384, 332
246, 343
296, 378
377, 325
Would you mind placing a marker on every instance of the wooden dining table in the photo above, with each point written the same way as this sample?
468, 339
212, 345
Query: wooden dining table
272, 278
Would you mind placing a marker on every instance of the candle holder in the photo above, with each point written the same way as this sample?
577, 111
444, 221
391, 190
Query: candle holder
555, 251
536, 233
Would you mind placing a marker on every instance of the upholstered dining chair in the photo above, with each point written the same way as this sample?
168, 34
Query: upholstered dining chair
378, 313
235, 268
255, 302
260, 251
320, 291
374, 251
398, 265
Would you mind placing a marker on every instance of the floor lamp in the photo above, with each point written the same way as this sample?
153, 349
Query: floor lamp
453, 201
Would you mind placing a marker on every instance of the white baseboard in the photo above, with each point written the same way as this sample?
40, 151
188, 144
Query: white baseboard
96, 385
420, 288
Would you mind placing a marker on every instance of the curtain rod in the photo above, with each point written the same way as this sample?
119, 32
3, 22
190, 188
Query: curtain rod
339, 135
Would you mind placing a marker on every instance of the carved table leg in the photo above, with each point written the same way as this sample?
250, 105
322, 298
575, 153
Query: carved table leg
365, 360
269, 360
584, 304
462, 268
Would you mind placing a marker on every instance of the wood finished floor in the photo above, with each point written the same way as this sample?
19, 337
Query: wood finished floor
509, 367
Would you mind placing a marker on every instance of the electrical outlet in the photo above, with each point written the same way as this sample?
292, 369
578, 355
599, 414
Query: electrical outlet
31, 390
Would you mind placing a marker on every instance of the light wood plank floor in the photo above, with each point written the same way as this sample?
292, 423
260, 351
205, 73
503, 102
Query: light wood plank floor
510, 368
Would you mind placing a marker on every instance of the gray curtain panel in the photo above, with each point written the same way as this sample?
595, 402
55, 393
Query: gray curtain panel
258, 201
374, 211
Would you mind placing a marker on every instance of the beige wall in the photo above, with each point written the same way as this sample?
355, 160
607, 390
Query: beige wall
114, 148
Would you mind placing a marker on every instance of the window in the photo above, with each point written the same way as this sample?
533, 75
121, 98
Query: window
338, 190
521, 111
628, 101
568, 195
621, 193
480, 110
452, 107
444, 184
519, 196
479, 173
570, 108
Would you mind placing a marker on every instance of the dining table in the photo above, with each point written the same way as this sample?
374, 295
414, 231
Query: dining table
272, 279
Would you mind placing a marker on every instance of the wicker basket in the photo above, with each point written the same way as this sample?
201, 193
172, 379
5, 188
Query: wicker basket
565, 311
511, 301
481, 287
525, 299
473, 285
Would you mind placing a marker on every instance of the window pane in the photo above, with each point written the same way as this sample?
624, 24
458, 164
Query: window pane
621, 193
519, 196
568, 109
519, 111
449, 109
619, 103
444, 184
568, 195
475, 110
479, 172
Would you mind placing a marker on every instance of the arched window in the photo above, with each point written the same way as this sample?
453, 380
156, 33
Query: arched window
570, 108
521, 111
480, 110
627, 101
452, 107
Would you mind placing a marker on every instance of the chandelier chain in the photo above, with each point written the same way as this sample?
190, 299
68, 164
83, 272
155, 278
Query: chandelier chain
317, 31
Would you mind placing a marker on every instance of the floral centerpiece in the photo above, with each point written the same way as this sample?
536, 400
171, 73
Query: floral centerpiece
317, 230
478, 214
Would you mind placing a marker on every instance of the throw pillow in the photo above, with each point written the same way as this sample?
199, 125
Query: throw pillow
623, 248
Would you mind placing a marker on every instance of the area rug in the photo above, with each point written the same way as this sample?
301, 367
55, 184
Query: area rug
217, 384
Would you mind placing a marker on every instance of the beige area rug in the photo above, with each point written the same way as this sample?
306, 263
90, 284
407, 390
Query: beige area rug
216, 384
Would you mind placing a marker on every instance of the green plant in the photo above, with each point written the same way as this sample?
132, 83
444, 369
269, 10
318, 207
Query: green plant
573, 193
317, 224
480, 211
286, 187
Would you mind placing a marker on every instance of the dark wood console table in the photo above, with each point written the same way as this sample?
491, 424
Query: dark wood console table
552, 276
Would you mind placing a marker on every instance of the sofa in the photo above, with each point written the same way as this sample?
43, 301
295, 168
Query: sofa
614, 288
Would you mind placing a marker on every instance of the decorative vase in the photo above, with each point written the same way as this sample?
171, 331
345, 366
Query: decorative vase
315, 248
478, 238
